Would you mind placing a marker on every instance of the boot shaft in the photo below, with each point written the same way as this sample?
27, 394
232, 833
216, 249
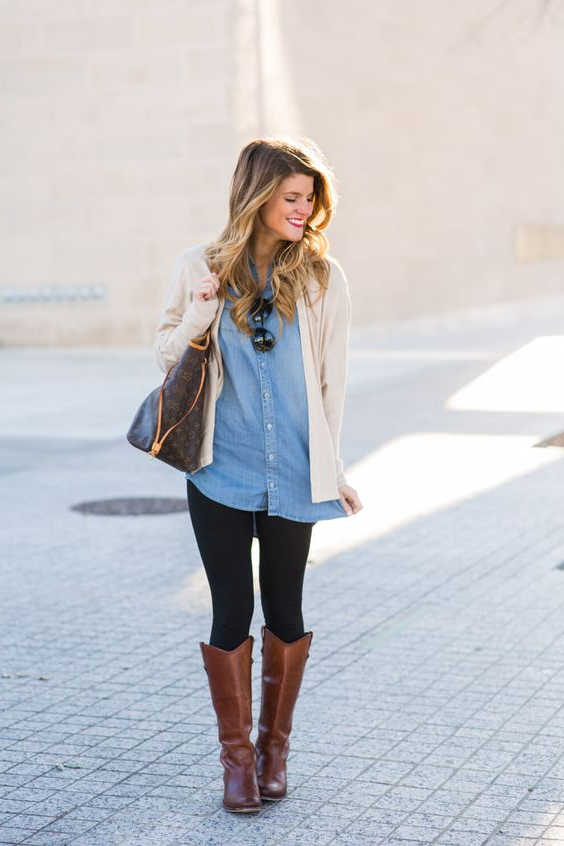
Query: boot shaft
229, 679
283, 667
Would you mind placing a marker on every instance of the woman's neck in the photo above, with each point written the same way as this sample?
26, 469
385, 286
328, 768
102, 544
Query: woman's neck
262, 250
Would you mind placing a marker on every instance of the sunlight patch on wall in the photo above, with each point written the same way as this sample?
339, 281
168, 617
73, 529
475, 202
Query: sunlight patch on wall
246, 93
280, 114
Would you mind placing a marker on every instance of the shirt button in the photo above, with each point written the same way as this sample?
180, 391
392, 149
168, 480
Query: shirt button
271, 484
266, 395
269, 426
270, 456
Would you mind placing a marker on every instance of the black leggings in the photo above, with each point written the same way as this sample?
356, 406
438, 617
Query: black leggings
224, 536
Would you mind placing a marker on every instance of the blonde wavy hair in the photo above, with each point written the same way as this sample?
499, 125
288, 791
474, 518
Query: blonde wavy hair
262, 165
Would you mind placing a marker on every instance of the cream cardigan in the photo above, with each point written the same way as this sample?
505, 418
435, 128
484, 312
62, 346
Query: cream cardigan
324, 332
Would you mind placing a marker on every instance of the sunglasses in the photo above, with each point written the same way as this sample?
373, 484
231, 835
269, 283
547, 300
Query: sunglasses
263, 339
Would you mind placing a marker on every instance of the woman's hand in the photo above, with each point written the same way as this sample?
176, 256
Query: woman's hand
350, 499
206, 289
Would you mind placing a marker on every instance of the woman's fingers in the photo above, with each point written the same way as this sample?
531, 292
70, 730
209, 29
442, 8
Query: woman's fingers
207, 287
350, 500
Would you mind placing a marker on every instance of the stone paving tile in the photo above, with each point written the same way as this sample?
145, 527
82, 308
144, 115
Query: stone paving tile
436, 670
462, 838
420, 834
8, 834
357, 840
503, 840
478, 825
521, 829
376, 817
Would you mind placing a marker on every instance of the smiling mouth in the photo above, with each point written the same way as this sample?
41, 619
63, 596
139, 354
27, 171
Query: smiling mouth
295, 222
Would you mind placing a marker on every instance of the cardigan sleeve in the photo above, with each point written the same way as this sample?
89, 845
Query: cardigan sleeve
182, 318
334, 361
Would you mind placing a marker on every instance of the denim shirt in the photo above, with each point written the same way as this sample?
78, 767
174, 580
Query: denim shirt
261, 441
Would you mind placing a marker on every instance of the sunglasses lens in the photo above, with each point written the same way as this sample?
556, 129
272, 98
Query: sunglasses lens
256, 310
263, 340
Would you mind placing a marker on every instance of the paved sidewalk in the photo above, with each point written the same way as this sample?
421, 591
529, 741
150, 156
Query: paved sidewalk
431, 708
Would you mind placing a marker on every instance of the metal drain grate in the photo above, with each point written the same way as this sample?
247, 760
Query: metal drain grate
131, 506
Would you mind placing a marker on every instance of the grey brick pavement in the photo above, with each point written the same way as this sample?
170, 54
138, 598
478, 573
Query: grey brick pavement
431, 709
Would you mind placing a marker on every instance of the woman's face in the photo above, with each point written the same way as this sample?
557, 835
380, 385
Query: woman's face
287, 211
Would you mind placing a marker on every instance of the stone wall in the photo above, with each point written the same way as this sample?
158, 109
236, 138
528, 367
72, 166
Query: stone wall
443, 123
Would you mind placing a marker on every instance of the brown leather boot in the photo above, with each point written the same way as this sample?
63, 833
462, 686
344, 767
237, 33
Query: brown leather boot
229, 677
282, 670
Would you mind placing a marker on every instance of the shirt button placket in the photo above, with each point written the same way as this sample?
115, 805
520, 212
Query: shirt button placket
270, 433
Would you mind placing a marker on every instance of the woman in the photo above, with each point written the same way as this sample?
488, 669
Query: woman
269, 464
